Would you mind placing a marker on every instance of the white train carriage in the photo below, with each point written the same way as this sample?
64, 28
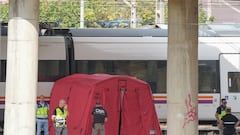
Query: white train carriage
52, 65
146, 57
143, 56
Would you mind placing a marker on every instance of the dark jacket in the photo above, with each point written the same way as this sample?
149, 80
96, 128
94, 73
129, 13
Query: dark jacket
229, 122
99, 114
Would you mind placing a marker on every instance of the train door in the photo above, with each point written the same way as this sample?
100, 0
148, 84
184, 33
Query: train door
3, 63
230, 79
69, 46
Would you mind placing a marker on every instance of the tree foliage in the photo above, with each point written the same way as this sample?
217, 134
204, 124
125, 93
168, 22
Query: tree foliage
4, 12
66, 13
146, 12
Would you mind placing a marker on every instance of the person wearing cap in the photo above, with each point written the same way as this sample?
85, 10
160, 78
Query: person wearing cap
42, 116
99, 118
229, 122
59, 118
221, 111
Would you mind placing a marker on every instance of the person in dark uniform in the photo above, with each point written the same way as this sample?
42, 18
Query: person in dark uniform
229, 122
99, 118
221, 111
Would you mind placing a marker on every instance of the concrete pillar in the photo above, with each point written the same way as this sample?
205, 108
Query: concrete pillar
160, 11
82, 13
22, 62
133, 14
209, 8
182, 67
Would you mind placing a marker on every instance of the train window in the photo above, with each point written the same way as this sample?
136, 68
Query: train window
93, 67
153, 72
208, 76
234, 81
2, 70
51, 70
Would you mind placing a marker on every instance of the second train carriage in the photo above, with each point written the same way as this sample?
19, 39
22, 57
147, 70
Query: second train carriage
143, 55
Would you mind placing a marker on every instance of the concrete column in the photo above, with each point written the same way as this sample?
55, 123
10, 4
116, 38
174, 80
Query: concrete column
22, 63
182, 68
82, 14
209, 8
133, 14
160, 10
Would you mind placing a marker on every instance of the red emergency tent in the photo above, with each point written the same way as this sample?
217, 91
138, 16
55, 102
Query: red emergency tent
127, 100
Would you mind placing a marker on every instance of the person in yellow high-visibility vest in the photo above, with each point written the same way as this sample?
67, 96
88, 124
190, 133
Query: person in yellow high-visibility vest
59, 117
42, 116
221, 111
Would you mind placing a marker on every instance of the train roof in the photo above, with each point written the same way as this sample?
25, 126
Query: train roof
207, 30
124, 48
148, 48
47, 45
211, 30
